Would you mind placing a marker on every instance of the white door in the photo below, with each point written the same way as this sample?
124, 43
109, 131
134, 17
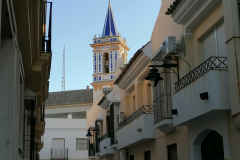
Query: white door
58, 147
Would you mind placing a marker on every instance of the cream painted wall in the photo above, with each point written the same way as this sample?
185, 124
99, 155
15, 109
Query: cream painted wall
93, 113
164, 27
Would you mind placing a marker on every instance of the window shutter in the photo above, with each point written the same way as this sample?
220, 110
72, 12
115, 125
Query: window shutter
209, 46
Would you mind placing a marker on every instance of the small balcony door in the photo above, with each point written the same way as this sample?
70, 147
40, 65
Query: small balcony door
58, 146
214, 43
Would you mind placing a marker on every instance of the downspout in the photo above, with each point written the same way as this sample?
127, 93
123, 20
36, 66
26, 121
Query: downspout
236, 116
32, 136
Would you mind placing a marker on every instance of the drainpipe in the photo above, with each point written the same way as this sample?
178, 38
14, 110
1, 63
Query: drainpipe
231, 13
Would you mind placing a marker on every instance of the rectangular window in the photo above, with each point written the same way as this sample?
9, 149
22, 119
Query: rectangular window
147, 155
98, 41
99, 78
172, 152
131, 157
81, 144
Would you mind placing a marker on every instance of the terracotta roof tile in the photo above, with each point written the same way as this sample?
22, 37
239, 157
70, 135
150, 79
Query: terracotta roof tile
70, 97
173, 7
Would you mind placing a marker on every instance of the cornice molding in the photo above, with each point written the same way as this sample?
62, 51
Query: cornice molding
69, 106
134, 71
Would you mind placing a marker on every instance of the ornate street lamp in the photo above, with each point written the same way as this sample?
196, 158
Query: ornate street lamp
153, 77
89, 135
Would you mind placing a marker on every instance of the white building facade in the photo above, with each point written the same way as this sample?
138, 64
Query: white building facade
66, 125
25, 62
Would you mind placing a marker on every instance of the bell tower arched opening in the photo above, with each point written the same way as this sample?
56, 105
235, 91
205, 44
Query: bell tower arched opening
106, 62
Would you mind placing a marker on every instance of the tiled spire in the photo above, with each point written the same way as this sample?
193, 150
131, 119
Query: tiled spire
109, 28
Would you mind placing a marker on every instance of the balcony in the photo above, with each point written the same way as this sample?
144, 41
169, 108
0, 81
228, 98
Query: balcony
136, 129
212, 77
59, 154
105, 146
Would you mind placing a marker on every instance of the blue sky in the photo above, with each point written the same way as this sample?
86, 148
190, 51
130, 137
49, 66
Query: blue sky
74, 24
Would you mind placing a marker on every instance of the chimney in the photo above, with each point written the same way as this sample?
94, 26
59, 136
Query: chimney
88, 87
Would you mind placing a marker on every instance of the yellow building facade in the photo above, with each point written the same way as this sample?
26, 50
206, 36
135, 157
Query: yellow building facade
195, 47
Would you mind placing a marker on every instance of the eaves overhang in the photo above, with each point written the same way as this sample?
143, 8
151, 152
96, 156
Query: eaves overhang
133, 60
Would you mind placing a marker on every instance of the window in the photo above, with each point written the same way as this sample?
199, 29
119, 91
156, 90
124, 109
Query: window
214, 43
172, 152
132, 157
147, 155
81, 144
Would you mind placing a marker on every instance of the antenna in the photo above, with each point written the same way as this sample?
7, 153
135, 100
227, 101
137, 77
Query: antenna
63, 71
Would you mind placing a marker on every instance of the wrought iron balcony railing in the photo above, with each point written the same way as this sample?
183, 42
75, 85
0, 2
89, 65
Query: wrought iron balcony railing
213, 63
59, 154
47, 27
104, 136
163, 108
144, 109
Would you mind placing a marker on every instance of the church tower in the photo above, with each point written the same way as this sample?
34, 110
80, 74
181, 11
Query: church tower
107, 48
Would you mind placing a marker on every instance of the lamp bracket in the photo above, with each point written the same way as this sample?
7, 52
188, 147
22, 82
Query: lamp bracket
170, 66
165, 65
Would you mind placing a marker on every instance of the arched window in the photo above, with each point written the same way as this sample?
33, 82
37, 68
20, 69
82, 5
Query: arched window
105, 62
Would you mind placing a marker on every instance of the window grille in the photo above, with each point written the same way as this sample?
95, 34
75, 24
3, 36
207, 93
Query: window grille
81, 144
163, 98
147, 155
131, 157
172, 152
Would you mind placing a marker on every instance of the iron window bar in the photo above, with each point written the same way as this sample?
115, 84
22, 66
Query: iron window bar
212, 63
163, 108
91, 150
144, 109
47, 28
59, 154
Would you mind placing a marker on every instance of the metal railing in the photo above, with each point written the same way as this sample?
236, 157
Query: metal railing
47, 27
213, 63
91, 150
59, 154
104, 136
163, 108
144, 109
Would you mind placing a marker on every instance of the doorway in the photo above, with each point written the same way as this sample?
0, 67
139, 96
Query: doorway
212, 147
